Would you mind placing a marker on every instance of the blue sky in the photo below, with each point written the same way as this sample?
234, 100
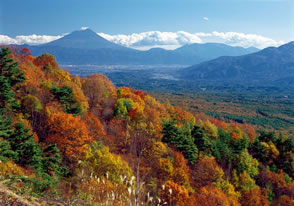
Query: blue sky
272, 19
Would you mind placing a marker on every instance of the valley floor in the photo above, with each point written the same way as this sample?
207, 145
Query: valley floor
264, 111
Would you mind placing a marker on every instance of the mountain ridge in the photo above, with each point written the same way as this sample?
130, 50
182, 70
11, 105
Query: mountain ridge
87, 47
269, 64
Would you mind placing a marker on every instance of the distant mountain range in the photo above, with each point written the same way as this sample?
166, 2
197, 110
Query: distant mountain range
274, 65
86, 47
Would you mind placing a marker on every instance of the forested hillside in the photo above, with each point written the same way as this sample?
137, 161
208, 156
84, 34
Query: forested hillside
69, 140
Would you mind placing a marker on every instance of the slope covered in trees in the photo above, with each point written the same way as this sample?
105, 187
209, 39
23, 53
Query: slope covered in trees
84, 141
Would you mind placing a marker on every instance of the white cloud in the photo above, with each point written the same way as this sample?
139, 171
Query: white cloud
205, 18
166, 40
151, 39
84, 28
7, 40
37, 39
239, 39
172, 40
30, 39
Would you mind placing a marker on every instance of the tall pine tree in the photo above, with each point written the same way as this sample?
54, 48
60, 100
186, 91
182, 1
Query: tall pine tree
201, 140
66, 98
10, 75
180, 138
29, 152
5, 132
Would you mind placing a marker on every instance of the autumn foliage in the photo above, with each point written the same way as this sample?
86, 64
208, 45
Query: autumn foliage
122, 146
69, 133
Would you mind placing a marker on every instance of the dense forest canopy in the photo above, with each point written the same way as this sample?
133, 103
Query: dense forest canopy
82, 140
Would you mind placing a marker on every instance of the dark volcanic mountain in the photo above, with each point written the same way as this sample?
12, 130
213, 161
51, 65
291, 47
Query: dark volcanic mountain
84, 39
86, 47
268, 65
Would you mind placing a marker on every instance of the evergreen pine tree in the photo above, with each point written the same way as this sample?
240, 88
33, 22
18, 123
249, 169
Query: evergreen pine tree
10, 75
52, 161
5, 126
181, 139
5, 132
201, 140
23, 143
223, 152
66, 98
170, 134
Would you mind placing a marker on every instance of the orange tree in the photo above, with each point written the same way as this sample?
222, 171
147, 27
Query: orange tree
69, 133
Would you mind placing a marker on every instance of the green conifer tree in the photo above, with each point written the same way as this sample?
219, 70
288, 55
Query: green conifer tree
201, 140
23, 143
181, 139
5, 132
10, 75
66, 98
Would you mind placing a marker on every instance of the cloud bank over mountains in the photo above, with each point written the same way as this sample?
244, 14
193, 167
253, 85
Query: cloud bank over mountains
171, 40
167, 40
239, 39
30, 39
